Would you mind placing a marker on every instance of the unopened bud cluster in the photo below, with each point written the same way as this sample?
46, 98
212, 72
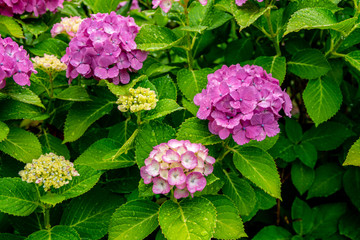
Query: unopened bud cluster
49, 63
139, 99
49, 171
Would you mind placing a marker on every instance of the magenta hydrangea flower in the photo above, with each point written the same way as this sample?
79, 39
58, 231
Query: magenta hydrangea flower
165, 5
38, 7
242, 101
134, 5
104, 48
15, 63
177, 164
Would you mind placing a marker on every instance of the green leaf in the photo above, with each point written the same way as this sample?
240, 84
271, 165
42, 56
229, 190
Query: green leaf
153, 38
192, 82
99, 6
149, 136
56, 233
263, 200
273, 232
309, 64
327, 181
74, 93
240, 191
9, 26
259, 167
165, 87
196, 131
322, 98
95, 156
152, 67
145, 190
163, 108
353, 156
124, 89
190, 219
50, 46
238, 50
265, 144
197, 29
293, 130
90, 215
228, 222
307, 153
190, 106
327, 136
213, 186
134, 220
4, 131
35, 27
302, 177
9, 236
17, 197
82, 115
351, 182
11, 109
21, 145
80, 184
54, 144
283, 149
349, 225
302, 217
52, 198
122, 131
22, 94
275, 65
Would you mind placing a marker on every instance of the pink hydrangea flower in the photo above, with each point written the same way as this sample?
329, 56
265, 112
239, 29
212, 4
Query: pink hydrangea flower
242, 101
38, 7
241, 2
134, 5
177, 164
104, 48
15, 63
165, 5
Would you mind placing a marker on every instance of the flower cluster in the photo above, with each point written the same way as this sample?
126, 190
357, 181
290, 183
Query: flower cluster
67, 25
165, 5
242, 101
14, 62
49, 63
49, 171
134, 5
38, 7
104, 48
139, 99
177, 163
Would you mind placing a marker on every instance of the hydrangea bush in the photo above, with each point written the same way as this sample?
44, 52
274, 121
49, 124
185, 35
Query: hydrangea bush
161, 119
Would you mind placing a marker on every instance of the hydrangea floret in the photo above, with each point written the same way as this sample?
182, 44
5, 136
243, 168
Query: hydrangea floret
179, 165
165, 5
38, 7
242, 101
67, 25
49, 63
14, 62
138, 100
49, 171
104, 48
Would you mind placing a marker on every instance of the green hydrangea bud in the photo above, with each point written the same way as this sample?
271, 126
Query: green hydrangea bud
139, 99
49, 171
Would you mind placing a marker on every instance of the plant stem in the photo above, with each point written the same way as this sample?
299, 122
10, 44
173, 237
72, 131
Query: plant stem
272, 34
189, 42
47, 218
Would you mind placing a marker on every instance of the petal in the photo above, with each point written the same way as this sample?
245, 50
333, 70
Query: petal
189, 160
22, 79
176, 176
160, 186
147, 178
181, 193
171, 156
101, 73
83, 69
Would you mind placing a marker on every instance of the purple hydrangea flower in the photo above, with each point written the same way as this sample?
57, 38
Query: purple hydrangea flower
242, 101
134, 5
177, 164
104, 48
15, 63
38, 7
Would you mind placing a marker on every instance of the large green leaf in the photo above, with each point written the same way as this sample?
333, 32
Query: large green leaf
259, 167
190, 219
163, 108
74, 93
54, 144
322, 98
11, 109
353, 156
239, 50
196, 131
307, 153
95, 156
149, 136
283, 149
293, 130
21, 145
327, 136
80, 184
302, 177
82, 115
56, 233
134, 220
327, 181
349, 225
302, 216
22, 94
228, 223
90, 215
165, 87
275, 65
192, 82
122, 131
153, 38
9, 26
99, 6
4, 131
17, 197
240, 191
351, 182
50, 46
309, 64
273, 232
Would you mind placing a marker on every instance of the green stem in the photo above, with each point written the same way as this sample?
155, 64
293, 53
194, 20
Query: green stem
47, 218
272, 34
189, 42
